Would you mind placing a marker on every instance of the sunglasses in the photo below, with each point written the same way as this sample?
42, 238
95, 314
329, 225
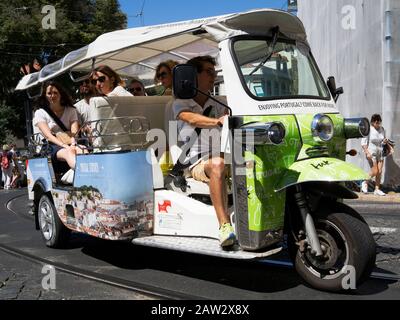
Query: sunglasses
162, 75
135, 89
100, 79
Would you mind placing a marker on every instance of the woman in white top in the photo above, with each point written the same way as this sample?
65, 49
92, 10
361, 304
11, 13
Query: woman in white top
56, 99
373, 147
108, 82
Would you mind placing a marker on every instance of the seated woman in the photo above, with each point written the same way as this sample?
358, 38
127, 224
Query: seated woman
164, 76
56, 107
108, 82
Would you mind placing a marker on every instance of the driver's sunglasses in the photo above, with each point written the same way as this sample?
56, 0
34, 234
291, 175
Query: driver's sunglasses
100, 79
162, 75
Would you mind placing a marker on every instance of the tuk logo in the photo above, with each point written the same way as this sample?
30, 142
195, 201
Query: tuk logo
162, 207
321, 164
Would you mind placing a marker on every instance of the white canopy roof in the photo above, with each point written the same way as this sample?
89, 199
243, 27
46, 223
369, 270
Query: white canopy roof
137, 51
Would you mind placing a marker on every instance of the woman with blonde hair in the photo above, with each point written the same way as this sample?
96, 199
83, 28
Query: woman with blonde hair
108, 82
164, 76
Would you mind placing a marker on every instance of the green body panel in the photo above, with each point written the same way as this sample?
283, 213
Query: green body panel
264, 169
336, 147
300, 158
320, 169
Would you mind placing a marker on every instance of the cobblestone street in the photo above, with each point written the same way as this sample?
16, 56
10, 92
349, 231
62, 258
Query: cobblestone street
22, 280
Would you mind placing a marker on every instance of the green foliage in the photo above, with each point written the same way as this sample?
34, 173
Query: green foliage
22, 39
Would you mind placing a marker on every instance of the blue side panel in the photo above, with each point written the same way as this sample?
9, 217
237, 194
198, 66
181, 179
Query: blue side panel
125, 177
40, 171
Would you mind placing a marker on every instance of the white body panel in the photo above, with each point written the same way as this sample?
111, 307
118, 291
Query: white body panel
176, 214
242, 104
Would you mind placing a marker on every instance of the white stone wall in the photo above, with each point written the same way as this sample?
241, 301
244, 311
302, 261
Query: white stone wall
358, 42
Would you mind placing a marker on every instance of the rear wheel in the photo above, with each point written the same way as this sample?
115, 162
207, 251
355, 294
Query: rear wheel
349, 253
54, 233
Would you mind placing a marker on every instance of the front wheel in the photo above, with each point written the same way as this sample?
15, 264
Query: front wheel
54, 233
349, 251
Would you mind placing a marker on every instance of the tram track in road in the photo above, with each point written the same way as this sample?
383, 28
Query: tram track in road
147, 290
374, 275
122, 280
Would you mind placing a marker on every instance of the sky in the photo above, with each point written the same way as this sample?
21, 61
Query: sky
163, 11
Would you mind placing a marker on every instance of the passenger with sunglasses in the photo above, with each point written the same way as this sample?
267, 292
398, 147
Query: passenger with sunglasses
108, 82
136, 87
164, 76
86, 91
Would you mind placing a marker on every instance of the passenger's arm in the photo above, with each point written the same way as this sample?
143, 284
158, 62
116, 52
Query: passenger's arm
46, 132
200, 121
74, 128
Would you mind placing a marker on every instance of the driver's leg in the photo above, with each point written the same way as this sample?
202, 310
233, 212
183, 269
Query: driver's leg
215, 170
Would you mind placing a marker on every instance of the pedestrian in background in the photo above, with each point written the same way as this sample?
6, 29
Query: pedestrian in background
373, 149
7, 166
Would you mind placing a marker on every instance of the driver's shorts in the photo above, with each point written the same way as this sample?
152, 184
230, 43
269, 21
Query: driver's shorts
198, 171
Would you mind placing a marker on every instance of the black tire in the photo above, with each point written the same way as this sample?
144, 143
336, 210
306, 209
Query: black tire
53, 231
348, 242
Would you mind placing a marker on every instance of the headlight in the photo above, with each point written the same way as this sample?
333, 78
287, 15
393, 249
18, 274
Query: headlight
262, 133
322, 128
356, 127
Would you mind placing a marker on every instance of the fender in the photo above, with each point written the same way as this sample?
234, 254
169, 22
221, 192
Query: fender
38, 189
320, 170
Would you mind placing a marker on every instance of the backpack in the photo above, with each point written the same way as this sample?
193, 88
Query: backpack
5, 163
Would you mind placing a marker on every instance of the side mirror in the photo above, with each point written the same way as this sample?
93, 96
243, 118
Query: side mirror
336, 92
185, 81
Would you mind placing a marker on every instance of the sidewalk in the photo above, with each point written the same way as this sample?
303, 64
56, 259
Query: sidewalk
391, 197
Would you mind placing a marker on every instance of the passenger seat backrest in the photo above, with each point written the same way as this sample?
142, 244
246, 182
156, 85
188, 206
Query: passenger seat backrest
151, 109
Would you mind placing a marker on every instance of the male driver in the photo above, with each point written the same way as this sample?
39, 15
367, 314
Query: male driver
211, 166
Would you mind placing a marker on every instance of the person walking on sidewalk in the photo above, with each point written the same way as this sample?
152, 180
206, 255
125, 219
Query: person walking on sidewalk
7, 166
373, 147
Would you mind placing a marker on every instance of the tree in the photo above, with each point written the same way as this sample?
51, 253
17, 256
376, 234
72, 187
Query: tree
23, 38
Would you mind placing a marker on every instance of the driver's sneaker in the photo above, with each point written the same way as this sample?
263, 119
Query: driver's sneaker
226, 235
379, 192
364, 187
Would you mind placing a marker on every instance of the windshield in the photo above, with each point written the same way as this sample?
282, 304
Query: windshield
289, 72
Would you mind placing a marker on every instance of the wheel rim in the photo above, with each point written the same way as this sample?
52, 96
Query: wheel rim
336, 253
46, 220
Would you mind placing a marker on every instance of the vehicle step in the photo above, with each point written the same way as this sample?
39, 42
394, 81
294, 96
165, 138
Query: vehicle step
204, 246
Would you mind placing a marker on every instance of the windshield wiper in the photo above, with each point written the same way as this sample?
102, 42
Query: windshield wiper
275, 33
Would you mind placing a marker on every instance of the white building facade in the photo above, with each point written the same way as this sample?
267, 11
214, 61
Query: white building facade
358, 42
